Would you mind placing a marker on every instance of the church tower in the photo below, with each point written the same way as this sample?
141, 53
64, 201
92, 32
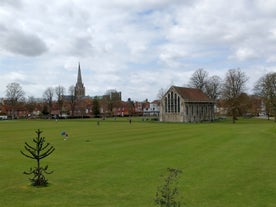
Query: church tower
79, 88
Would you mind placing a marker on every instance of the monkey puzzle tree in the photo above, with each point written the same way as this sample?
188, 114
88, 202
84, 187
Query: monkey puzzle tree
38, 152
167, 194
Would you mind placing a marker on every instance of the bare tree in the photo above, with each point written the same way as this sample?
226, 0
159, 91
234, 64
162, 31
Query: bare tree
266, 88
213, 87
14, 94
48, 96
60, 97
130, 107
30, 104
73, 99
161, 93
233, 87
111, 100
199, 79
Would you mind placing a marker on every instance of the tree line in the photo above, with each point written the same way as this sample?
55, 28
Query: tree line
54, 102
231, 91
228, 92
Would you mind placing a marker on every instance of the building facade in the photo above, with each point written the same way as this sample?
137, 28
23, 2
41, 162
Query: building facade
153, 109
181, 104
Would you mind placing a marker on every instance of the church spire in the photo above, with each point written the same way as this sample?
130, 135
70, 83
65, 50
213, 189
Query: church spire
79, 88
79, 80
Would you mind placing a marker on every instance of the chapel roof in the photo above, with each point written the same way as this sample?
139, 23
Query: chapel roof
192, 94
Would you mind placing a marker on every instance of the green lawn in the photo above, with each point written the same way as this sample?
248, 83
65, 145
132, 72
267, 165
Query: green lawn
118, 164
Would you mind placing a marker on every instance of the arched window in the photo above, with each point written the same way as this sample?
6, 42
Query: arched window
166, 104
178, 104
169, 103
175, 103
172, 103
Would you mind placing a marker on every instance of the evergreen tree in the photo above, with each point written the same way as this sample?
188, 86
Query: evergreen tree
167, 194
38, 152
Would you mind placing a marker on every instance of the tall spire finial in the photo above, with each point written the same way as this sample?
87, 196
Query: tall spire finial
79, 88
79, 80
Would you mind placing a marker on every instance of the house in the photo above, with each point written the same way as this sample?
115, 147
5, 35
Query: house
152, 109
181, 104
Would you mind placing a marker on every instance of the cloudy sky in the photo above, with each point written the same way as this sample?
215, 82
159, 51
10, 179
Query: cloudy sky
133, 46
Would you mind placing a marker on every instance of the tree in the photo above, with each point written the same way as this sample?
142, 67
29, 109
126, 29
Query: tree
266, 88
73, 99
167, 194
81, 107
60, 94
48, 97
30, 104
14, 94
111, 100
210, 86
96, 107
130, 107
161, 93
245, 105
213, 87
38, 152
199, 79
233, 87
45, 110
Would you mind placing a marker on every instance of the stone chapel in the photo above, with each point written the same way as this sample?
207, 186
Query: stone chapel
180, 104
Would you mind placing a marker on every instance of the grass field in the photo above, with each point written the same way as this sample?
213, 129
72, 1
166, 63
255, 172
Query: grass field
117, 164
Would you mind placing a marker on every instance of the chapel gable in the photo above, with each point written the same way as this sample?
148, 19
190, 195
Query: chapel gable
180, 104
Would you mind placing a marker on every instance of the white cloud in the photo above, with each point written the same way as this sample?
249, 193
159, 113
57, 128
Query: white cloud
135, 46
267, 7
14, 76
245, 54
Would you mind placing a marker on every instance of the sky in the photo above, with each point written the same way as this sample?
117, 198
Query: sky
136, 47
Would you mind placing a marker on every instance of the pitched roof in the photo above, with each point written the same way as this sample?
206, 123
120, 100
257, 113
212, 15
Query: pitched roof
192, 94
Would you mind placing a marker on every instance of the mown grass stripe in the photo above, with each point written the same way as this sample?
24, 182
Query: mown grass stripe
119, 164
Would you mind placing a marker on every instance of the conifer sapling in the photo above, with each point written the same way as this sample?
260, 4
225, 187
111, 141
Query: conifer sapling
167, 193
38, 152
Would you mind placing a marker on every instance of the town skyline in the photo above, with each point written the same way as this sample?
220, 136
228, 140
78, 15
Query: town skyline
136, 47
79, 87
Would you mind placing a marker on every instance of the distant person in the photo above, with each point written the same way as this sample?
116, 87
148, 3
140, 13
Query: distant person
65, 135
